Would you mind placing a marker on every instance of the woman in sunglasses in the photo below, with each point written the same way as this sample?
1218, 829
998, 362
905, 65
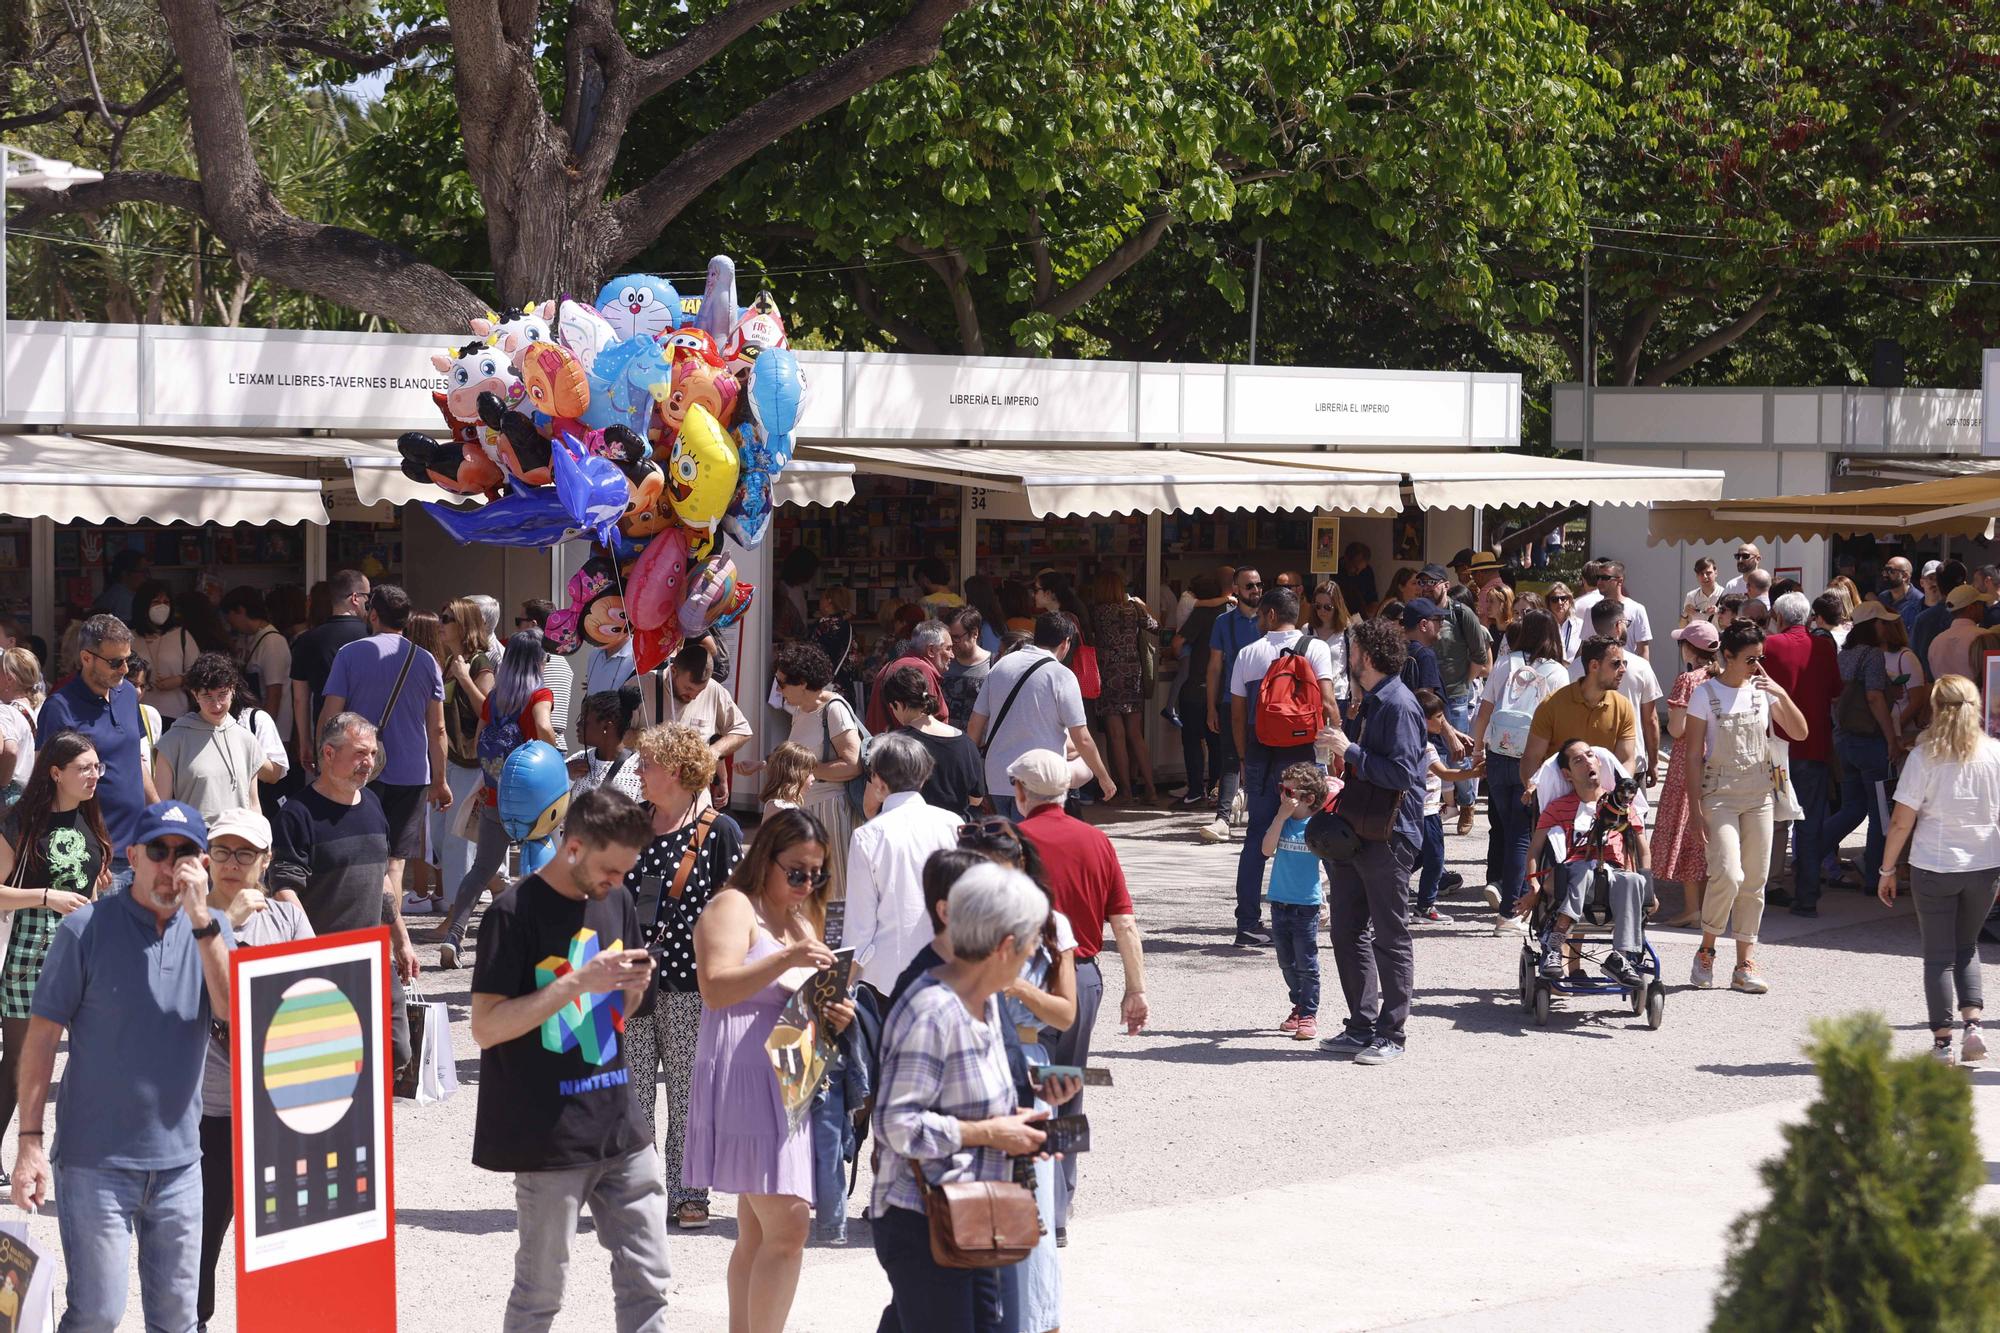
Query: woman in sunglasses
54, 857
755, 943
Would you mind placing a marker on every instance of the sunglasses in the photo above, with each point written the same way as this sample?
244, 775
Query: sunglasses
998, 828
235, 856
1746, 555
115, 663
784, 684
166, 851
800, 878
1255, 583
1289, 793
1560, 597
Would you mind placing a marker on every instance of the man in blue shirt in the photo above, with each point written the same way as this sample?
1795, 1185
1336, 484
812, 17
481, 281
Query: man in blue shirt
1369, 904
99, 702
135, 978
1933, 621
1233, 631
1899, 592
1423, 620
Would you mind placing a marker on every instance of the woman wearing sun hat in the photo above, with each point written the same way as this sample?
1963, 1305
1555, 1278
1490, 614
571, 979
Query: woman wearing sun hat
1680, 843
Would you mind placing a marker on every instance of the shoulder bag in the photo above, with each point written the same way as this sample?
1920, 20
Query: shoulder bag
1366, 807
1851, 712
1007, 704
979, 1223
388, 709
857, 786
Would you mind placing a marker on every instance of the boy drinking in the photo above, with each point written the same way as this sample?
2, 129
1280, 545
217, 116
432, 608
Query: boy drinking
1294, 894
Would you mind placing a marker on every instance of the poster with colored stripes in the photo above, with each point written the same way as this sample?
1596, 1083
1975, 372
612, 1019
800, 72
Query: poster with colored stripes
309, 1096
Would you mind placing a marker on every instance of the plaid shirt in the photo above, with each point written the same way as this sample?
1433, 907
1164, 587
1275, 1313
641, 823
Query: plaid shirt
939, 1066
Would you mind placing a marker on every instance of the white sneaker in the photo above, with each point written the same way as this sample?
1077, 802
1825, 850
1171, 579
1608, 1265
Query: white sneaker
1747, 980
1701, 975
1511, 925
1215, 832
448, 956
1492, 892
1972, 1046
421, 904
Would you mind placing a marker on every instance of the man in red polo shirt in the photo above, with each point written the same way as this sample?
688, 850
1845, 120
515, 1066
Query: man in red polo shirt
1800, 658
929, 651
1088, 886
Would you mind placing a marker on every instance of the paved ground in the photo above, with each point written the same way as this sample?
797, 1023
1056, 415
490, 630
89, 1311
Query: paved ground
1499, 1177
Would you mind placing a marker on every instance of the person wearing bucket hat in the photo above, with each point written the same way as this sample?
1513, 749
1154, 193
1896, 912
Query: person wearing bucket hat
1482, 569
135, 978
1950, 652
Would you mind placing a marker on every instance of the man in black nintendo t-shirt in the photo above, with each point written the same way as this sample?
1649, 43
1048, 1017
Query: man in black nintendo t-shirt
552, 988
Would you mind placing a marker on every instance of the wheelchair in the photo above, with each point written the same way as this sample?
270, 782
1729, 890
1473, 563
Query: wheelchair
1538, 993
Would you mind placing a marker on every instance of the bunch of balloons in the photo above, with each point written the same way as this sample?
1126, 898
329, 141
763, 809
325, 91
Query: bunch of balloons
649, 424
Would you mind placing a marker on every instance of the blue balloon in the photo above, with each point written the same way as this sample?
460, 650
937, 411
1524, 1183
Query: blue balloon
533, 518
622, 383
534, 792
593, 491
640, 303
776, 388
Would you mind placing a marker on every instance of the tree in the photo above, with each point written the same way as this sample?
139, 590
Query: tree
1767, 153
544, 178
1870, 1223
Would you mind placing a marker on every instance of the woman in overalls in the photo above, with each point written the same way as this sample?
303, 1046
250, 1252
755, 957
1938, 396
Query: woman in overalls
1727, 736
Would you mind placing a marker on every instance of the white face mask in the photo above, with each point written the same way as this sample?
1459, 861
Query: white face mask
159, 614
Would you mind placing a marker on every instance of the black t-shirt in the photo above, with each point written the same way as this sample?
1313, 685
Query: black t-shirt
1194, 633
558, 1096
312, 656
67, 855
958, 774
672, 923
334, 857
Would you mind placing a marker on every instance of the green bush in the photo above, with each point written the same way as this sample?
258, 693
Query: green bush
1870, 1223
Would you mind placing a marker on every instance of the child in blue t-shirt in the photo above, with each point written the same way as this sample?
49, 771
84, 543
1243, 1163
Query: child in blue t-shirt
1294, 893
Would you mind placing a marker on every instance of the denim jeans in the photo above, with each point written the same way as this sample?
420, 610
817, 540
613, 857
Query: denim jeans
1229, 764
1458, 706
121, 874
1071, 1046
1260, 797
1811, 780
1430, 862
101, 1209
1506, 814
489, 857
1864, 761
1295, 936
833, 1108
628, 1211
1369, 907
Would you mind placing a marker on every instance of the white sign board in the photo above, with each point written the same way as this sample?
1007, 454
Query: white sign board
989, 398
271, 382
1281, 405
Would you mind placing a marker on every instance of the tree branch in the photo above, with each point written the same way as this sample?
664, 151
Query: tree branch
1714, 342
951, 268
152, 98
637, 220
907, 333
1038, 252
653, 76
361, 62
117, 187
1134, 248
1632, 341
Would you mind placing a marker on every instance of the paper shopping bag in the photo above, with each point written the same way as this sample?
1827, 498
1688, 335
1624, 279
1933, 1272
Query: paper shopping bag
432, 1074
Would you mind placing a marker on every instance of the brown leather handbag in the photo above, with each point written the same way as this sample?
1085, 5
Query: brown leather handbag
979, 1223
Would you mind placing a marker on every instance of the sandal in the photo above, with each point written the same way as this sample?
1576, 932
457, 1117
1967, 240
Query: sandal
691, 1216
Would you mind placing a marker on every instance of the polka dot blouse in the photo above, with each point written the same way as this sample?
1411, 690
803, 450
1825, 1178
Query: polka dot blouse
652, 877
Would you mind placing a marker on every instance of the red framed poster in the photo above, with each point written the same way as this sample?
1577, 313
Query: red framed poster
310, 1082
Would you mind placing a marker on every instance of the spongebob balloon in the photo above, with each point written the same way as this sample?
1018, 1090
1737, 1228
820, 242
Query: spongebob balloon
701, 476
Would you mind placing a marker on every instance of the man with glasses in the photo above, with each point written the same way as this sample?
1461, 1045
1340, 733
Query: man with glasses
1899, 592
314, 651
1748, 560
1232, 633
1087, 885
885, 923
1610, 586
136, 978
99, 702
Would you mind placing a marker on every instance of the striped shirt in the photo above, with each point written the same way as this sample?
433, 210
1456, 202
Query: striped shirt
939, 1066
560, 677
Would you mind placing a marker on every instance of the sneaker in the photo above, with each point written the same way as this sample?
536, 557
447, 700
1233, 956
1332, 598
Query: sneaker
1450, 884
448, 956
1217, 831
1702, 975
1621, 970
1972, 1046
421, 904
1428, 916
1062, 1238
691, 1216
1941, 1050
1551, 965
1805, 911
1291, 1023
1745, 979
1380, 1052
1347, 1043
1511, 925
1308, 1029
1251, 939
1492, 892
1194, 798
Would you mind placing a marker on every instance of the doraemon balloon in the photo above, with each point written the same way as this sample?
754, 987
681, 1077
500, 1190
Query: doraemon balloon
533, 800
640, 303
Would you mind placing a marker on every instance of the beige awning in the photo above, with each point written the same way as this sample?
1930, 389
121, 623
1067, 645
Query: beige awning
68, 479
811, 482
1068, 483
1958, 506
1463, 480
373, 460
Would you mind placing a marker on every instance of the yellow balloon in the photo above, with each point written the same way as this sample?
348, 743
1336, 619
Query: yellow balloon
703, 470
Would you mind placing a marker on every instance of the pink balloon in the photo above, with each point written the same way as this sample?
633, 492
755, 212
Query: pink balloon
658, 581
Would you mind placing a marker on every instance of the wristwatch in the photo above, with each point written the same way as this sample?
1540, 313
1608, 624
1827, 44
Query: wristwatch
209, 931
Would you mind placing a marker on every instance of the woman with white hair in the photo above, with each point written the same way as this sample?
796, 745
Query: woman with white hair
945, 1104
1947, 805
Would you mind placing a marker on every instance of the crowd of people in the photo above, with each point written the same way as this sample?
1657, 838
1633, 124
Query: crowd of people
920, 822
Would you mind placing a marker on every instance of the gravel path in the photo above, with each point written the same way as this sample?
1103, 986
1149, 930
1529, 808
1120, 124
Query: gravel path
1231, 1165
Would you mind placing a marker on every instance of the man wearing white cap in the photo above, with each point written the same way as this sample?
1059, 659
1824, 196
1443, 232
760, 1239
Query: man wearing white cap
1088, 886
1951, 650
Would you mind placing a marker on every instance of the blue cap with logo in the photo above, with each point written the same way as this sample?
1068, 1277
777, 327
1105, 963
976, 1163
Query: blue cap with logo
1419, 609
167, 818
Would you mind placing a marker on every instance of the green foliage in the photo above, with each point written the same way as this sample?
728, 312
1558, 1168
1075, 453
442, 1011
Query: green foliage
1869, 1228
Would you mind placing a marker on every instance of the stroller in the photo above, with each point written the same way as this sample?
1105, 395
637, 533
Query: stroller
1612, 819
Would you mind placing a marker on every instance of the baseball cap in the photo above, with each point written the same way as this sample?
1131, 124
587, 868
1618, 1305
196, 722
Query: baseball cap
1701, 634
164, 818
1434, 573
1932, 567
249, 825
1964, 595
1464, 557
1041, 773
1870, 609
1420, 609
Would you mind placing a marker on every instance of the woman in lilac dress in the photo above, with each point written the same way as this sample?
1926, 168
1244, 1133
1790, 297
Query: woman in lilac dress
756, 941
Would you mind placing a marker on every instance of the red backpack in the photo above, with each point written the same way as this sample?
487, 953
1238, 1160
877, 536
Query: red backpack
1289, 703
